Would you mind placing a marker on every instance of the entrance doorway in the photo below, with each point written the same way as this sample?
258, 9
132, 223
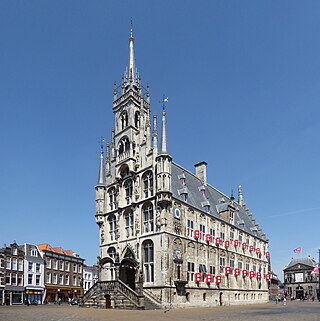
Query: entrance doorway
220, 299
108, 301
299, 293
128, 273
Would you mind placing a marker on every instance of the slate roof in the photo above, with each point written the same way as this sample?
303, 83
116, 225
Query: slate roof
306, 261
200, 197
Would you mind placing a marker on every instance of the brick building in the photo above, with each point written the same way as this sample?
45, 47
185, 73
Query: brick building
90, 277
14, 289
33, 274
63, 273
2, 276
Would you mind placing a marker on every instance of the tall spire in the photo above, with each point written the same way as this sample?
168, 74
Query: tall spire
155, 135
101, 180
108, 160
132, 65
164, 143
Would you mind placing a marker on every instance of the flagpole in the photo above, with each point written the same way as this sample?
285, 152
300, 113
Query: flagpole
319, 277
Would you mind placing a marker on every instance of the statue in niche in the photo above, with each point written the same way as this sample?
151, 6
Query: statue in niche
137, 224
100, 206
102, 234
137, 188
158, 218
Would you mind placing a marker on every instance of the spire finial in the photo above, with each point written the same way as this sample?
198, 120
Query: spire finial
131, 28
132, 67
101, 180
155, 134
240, 197
164, 101
164, 143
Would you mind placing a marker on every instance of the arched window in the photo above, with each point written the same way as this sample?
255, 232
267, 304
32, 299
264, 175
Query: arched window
111, 252
128, 188
137, 119
124, 145
112, 227
124, 171
148, 261
129, 221
148, 218
113, 199
147, 179
124, 120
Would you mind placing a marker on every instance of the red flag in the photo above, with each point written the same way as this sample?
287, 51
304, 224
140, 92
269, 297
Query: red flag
297, 250
315, 270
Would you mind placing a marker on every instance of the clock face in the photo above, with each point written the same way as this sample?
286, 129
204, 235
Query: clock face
177, 213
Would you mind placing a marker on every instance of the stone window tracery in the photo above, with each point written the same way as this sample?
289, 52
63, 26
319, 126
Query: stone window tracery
129, 222
148, 259
148, 218
128, 190
147, 184
112, 227
113, 203
124, 120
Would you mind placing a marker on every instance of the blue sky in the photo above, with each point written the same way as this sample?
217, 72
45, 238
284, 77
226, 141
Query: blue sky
243, 82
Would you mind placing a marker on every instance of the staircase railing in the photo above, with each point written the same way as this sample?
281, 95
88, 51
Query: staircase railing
152, 296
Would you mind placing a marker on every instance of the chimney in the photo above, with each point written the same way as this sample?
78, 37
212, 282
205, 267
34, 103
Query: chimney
201, 172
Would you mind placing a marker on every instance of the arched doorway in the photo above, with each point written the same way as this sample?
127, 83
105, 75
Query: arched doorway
128, 273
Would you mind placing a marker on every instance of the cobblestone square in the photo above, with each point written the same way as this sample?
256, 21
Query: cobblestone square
293, 311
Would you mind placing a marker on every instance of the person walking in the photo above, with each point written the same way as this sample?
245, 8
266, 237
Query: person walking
284, 301
277, 299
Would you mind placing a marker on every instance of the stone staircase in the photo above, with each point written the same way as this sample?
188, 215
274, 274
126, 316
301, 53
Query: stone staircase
121, 297
151, 302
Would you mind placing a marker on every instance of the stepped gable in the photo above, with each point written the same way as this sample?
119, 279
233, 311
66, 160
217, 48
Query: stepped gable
217, 201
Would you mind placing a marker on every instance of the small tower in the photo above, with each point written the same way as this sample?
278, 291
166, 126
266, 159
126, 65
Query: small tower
100, 190
131, 140
163, 172
240, 197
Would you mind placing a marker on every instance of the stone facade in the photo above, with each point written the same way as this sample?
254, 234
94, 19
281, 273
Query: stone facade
299, 280
164, 231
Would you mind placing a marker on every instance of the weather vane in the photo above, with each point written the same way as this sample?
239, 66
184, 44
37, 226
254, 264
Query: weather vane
101, 141
164, 101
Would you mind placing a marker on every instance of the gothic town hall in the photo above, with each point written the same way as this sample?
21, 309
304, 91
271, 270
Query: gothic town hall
167, 237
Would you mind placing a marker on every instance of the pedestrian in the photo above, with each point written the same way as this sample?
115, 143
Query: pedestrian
277, 299
59, 301
284, 301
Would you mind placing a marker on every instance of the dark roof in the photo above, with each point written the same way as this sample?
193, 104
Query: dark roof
208, 199
306, 261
